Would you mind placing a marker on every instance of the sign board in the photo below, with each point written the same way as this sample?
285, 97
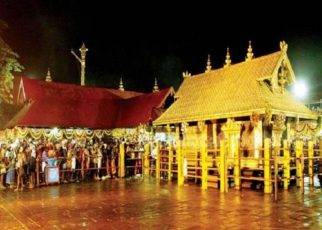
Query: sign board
52, 175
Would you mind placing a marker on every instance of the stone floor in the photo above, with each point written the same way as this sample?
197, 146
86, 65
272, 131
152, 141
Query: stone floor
145, 204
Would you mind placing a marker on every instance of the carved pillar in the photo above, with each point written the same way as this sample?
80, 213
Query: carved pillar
258, 133
214, 134
278, 128
202, 133
288, 131
232, 131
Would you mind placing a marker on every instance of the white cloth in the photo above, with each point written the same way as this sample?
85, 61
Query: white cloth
154, 153
73, 163
43, 165
99, 162
33, 153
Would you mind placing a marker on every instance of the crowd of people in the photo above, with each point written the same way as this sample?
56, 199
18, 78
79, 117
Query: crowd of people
21, 161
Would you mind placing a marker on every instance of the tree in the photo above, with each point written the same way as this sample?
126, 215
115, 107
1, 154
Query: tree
8, 65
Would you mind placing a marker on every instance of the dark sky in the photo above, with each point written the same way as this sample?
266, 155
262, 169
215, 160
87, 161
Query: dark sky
143, 41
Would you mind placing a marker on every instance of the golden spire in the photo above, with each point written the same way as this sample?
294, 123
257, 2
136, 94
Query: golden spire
48, 76
155, 87
283, 46
121, 86
228, 60
250, 53
186, 74
208, 66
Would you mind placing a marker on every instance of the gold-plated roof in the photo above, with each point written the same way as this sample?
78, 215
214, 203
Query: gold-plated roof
236, 90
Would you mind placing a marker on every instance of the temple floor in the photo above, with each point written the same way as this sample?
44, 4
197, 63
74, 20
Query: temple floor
145, 204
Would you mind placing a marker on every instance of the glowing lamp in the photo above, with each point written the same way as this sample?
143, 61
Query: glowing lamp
300, 89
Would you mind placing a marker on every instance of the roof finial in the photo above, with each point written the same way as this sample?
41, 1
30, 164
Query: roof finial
155, 87
283, 46
208, 66
228, 60
121, 86
250, 53
82, 61
186, 74
48, 76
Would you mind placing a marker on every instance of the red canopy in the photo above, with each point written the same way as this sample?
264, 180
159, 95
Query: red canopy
49, 104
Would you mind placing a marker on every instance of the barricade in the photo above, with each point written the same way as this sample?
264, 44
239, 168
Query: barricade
271, 169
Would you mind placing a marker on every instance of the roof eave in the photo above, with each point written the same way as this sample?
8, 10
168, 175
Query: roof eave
311, 116
211, 117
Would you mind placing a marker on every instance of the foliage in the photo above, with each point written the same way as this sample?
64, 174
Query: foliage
8, 65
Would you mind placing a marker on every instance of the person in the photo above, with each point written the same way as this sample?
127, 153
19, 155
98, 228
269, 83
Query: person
247, 139
129, 159
96, 156
87, 160
73, 164
20, 164
113, 155
11, 161
82, 161
2, 166
69, 164
153, 156
63, 161
320, 171
116, 157
44, 156
32, 167
105, 150
78, 169
99, 162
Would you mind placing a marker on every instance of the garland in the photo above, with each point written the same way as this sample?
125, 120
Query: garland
137, 134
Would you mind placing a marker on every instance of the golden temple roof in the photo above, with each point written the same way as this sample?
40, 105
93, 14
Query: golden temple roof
237, 90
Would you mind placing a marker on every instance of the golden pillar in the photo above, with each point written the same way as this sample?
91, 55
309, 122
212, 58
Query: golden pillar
286, 161
179, 158
170, 162
146, 161
214, 134
320, 155
237, 167
202, 149
267, 167
311, 160
299, 163
121, 161
157, 162
204, 166
223, 167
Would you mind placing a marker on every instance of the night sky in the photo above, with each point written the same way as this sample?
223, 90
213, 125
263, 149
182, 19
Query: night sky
140, 42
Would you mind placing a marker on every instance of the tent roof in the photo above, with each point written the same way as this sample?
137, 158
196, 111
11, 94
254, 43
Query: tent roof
49, 104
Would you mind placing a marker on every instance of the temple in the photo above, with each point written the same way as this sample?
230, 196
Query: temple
245, 102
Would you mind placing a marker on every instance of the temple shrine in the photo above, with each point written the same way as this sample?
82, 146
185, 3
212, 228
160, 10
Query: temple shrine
247, 101
239, 118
